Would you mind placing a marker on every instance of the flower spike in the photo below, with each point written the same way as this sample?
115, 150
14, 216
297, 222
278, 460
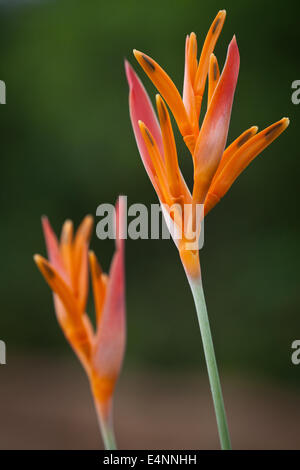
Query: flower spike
110, 337
100, 352
215, 168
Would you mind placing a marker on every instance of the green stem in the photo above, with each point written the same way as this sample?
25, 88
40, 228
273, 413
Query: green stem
211, 363
106, 427
108, 436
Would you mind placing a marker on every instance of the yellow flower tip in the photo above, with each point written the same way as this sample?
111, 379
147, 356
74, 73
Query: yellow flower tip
37, 258
161, 107
193, 40
95, 266
44, 266
285, 122
86, 226
145, 61
67, 231
92, 257
137, 54
142, 127
162, 111
89, 219
145, 132
40, 261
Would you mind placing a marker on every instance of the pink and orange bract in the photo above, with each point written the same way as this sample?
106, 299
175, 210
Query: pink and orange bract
215, 168
101, 350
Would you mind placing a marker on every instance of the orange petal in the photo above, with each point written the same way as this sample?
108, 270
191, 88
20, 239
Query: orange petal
189, 73
240, 160
80, 261
99, 281
66, 244
208, 47
58, 285
167, 89
192, 56
72, 321
157, 162
213, 77
174, 176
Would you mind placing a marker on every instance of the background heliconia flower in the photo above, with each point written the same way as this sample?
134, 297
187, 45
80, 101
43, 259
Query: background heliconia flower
215, 169
101, 350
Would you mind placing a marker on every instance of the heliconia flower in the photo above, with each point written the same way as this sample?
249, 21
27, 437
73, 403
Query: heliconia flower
215, 168
101, 350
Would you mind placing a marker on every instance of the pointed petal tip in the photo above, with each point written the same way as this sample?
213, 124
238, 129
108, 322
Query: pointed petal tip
158, 99
67, 223
234, 53
132, 77
233, 42
92, 256
37, 258
40, 261
220, 17
89, 218
128, 70
45, 221
286, 121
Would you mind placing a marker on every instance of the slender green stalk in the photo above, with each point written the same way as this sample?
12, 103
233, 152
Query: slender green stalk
211, 363
106, 429
108, 436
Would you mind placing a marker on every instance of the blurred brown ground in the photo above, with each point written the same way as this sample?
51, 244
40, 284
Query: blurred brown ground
46, 404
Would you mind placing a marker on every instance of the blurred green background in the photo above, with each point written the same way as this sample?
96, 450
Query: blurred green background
67, 146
